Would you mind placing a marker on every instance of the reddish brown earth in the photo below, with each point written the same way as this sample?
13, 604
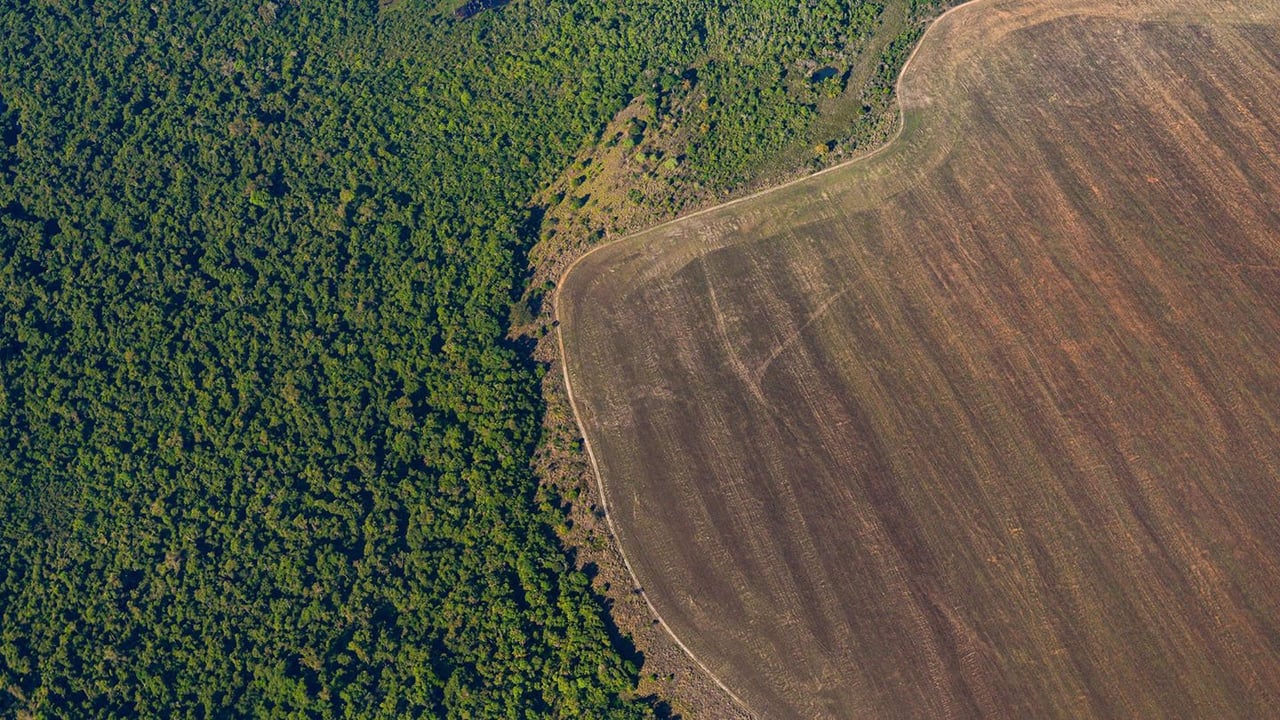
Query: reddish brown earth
987, 424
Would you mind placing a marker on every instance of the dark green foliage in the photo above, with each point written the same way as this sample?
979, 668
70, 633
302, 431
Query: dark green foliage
264, 450
748, 110
263, 447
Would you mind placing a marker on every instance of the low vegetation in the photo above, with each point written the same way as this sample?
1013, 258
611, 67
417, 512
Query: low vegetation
772, 92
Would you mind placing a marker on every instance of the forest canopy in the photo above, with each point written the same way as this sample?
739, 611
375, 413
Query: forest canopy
264, 444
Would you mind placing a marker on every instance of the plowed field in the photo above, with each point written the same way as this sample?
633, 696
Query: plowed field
988, 423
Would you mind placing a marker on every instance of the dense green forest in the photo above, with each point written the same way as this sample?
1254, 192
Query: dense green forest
264, 445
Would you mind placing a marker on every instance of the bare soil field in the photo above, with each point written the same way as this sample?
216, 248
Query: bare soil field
987, 423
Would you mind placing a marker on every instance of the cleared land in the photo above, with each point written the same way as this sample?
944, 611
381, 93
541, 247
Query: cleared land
988, 423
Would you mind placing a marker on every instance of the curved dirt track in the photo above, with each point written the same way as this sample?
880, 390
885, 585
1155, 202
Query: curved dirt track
987, 424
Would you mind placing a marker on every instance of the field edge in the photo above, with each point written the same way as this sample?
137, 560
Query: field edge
601, 486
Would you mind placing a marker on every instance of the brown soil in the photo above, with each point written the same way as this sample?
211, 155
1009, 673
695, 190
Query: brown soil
985, 425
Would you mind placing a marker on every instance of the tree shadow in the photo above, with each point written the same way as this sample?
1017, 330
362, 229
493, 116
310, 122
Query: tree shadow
475, 7
660, 708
